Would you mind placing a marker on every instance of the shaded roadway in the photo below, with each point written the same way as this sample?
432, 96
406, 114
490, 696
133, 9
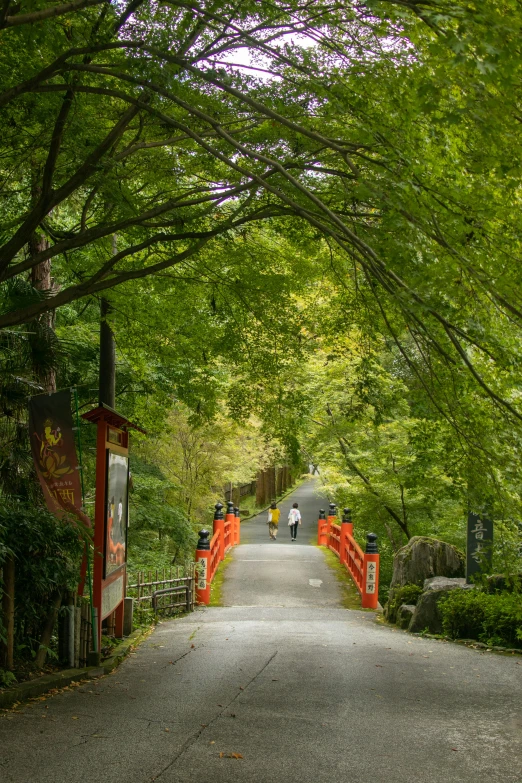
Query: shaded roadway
282, 573
302, 693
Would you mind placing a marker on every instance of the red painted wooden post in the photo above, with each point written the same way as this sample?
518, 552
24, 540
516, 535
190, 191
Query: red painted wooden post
238, 525
219, 527
230, 520
203, 571
322, 538
330, 521
370, 592
346, 530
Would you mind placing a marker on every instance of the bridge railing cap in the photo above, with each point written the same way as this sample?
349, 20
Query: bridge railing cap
204, 539
371, 544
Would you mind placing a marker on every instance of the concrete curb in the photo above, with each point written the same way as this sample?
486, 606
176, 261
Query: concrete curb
40, 685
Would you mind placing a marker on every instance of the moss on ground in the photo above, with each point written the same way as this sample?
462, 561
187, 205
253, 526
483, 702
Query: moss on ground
216, 588
350, 595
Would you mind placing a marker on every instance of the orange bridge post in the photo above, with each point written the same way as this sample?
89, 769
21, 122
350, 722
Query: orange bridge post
238, 525
203, 579
332, 516
370, 591
346, 530
230, 523
322, 537
219, 528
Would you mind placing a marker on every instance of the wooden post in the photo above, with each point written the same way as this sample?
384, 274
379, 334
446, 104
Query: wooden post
8, 611
230, 521
330, 521
238, 525
370, 591
219, 527
346, 530
203, 561
107, 378
322, 538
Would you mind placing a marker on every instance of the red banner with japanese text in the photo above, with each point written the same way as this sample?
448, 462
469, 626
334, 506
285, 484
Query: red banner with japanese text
54, 452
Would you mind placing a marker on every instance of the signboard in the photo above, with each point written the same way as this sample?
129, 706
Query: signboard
202, 572
116, 511
371, 577
112, 595
111, 513
479, 551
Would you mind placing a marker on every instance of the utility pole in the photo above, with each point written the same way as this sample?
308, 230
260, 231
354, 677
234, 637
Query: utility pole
107, 384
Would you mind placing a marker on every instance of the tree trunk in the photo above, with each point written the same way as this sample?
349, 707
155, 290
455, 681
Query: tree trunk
279, 481
272, 483
260, 488
47, 631
8, 603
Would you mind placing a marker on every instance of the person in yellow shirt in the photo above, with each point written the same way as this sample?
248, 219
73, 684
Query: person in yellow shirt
273, 520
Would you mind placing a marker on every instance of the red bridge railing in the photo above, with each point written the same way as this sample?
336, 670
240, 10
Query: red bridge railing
363, 567
211, 551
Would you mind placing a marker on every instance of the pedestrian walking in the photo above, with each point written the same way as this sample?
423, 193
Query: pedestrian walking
273, 520
294, 519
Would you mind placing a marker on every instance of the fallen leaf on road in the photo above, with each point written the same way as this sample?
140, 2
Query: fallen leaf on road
235, 756
165, 729
192, 646
212, 742
454, 748
221, 755
241, 688
75, 717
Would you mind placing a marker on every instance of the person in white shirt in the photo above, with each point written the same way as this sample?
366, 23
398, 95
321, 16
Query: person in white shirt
294, 519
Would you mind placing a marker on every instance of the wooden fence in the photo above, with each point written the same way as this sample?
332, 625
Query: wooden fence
177, 580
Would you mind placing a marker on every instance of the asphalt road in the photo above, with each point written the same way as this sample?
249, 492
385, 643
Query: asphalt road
288, 573
269, 694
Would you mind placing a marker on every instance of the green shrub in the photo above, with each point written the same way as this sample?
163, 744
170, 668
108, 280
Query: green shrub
407, 594
47, 555
472, 614
6, 679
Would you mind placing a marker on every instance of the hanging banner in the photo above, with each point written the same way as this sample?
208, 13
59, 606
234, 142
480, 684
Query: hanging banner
54, 452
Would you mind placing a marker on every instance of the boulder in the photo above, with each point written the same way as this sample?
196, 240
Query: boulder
445, 583
405, 614
427, 616
423, 558
399, 595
